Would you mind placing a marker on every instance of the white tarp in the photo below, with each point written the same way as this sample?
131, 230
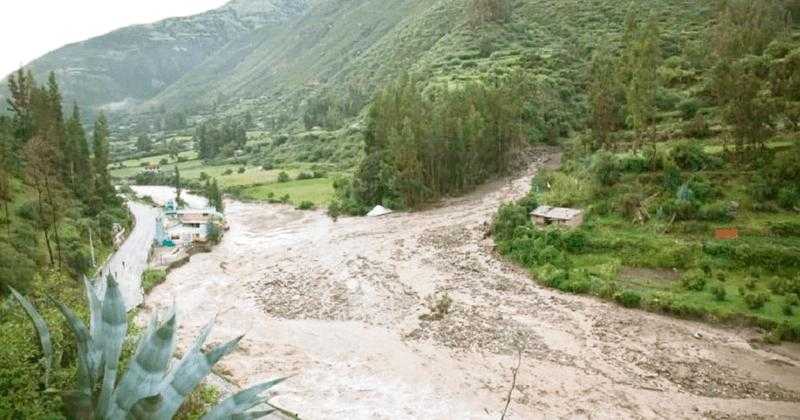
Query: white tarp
379, 211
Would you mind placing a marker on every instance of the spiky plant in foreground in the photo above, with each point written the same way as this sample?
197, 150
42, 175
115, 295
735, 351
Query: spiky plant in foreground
149, 388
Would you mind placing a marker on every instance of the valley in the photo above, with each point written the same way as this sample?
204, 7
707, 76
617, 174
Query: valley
337, 304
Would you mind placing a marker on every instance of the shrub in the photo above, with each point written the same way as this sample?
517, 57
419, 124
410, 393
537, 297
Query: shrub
241, 170
719, 292
716, 212
152, 278
283, 177
163, 161
628, 299
697, 128
605, 168
508, 218
285, 199
228, 172
306, 205
694, 280
788, 197
793, 299
756, 300
673, 178
304, 175
785, 228
689, 156
634, 164
688, 108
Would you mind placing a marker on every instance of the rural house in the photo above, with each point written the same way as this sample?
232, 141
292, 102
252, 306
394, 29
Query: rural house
559, 216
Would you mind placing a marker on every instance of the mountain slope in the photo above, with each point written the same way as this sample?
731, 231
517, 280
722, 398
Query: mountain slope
341, 46
135, 63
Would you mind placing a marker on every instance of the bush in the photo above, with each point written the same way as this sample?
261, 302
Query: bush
152, 278
784, 228
756, 300
788, 198
793, 299
508, 218
306, 205
283, 177
697, 128
304, 175
694, 280
719, 291
688, 108
241, 170
285, 199
690, 156
628, 299
673, 178
606, 169
716, 212
228, 172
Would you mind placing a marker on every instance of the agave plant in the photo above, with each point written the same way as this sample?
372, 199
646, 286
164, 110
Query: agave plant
150, 388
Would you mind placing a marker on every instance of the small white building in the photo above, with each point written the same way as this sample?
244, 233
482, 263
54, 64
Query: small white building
558, 216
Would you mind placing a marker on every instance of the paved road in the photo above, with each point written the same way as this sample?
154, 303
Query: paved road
130, 260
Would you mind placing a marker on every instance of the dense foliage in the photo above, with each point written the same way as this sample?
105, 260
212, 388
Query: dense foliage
424, 145
57, 203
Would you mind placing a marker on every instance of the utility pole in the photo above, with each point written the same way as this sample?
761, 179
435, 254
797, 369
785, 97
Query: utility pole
91, 245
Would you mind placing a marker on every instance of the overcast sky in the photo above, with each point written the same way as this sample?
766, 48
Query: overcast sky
31, 28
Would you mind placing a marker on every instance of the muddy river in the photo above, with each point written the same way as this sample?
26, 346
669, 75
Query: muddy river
338, 305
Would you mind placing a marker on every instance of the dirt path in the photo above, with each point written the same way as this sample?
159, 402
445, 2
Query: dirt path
338, 304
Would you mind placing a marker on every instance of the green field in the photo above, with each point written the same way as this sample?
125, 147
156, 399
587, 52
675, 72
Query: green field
318, 191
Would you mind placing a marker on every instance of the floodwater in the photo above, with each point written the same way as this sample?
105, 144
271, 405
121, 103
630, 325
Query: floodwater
338, 305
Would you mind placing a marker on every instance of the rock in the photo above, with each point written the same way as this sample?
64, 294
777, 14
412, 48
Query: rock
698, 335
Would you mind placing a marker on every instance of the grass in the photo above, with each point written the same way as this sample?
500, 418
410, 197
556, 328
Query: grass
617, 258
318, 191
152, 278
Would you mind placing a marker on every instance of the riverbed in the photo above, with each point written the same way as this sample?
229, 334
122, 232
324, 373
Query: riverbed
338, 304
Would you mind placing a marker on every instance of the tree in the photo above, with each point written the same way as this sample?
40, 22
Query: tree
745, 103
177, 184
104, 191
746, 27
143, 143
214, 195
639, 76
82, 180
41, 171
605, 98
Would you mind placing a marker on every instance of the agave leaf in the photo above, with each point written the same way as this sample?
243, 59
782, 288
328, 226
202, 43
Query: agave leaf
241, 401
83, 341
146, 408
190, 371
112, 333
42, 330
147, 368
95, 322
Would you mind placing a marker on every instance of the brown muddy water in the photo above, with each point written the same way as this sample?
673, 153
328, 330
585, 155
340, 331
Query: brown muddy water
338, 305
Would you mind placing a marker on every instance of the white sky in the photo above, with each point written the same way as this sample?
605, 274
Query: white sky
32, 28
